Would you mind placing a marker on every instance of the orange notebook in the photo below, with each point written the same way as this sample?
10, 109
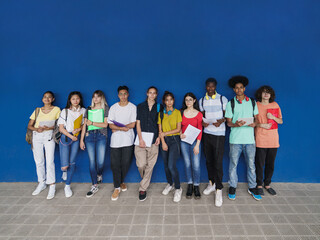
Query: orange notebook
274, 112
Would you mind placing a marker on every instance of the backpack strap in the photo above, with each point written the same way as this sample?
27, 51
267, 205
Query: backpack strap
37, 111
253, 105
232, 105
201, 102
221, 104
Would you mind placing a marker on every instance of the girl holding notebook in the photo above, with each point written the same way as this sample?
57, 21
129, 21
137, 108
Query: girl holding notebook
41, 124
94, 137
267, 137
192, 116
70, 125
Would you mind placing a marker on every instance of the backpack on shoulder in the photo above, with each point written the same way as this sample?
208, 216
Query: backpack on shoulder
252, 101
56, 134
29, 133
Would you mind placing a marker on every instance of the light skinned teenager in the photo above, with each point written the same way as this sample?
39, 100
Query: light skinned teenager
121, 120
146, 156
241, 115
169, 122
94, 137
70, 125
43, 145
267, 137
191, 153
213, 106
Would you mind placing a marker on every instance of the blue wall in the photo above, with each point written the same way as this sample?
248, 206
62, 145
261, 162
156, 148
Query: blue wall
175, 45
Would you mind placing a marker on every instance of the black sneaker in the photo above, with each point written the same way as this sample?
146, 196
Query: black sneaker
260, 192
92, 191
189, 191
197, 194
142, 195
232, 193
254, 193
271, 191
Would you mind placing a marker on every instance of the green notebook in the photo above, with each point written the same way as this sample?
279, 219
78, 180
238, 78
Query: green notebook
96, 115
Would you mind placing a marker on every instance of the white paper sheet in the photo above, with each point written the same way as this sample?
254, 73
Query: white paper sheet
147, 138
247, 120
47, 123
209, 121
191, 134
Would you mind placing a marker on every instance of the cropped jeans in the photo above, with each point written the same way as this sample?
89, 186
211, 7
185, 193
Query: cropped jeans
192, 162
249, 151
68, 153
96, 144
170, 158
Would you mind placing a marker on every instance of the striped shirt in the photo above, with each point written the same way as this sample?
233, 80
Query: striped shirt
213, 110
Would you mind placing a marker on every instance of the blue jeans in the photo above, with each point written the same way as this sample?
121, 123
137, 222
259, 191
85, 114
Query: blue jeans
249, 152
68, 153
96, 144
170, 158
192, 162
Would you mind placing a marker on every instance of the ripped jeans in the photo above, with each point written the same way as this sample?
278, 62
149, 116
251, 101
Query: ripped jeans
68, 153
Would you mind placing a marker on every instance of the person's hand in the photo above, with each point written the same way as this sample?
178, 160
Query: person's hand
89, 122
239, 123
82, 145
46, 128
196, 150
252, 125
270, 116
74, 138
162, 134
157, 141
125, 129
220, 121
165, 147
75, 131
266, 125
142, 143
182, 136
40, 129
205, 124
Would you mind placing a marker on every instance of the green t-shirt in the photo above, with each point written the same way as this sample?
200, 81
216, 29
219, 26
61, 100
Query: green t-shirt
244, 134
169, 122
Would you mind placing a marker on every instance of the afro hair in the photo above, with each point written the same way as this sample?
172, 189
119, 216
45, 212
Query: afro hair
238, 79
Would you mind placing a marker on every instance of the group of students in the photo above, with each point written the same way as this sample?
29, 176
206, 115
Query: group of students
254, 133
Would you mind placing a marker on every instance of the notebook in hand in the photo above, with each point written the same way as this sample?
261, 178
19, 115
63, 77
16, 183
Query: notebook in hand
274, 112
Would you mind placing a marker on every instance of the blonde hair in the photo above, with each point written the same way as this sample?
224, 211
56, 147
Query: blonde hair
103, 103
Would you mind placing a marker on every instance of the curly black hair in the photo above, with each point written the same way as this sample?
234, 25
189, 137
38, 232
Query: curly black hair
266, 89
238, 79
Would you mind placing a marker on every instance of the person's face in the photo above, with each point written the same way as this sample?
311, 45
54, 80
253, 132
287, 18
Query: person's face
239, 89
123, 95
75, 100
189, 101
152, 94
265, 96
211, 88
96, 99
47, 98
169, 102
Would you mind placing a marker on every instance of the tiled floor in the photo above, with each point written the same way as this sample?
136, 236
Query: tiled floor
293, 214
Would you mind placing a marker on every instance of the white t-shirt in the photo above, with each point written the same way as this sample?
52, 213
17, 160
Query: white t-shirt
72, 116
124, 115
214, 110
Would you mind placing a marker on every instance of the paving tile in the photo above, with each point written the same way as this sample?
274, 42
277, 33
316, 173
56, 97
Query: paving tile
302, 229
154, 230
285, 229
105, 230
269, 230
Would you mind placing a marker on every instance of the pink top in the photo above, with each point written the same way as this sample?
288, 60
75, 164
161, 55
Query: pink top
195, 121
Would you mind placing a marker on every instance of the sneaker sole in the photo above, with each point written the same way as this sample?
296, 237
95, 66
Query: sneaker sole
142, 200
232, 199
49, 198
209, 192
253, 196
114, 199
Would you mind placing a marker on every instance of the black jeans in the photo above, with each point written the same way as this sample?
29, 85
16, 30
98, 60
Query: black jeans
213, 148
265, 158
120, 159
170, 158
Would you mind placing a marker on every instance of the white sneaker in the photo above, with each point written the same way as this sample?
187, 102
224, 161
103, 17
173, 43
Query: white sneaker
52, 191
210, 188
177, 195
218, 201
41, 186
64, 176
167, 189
67, 191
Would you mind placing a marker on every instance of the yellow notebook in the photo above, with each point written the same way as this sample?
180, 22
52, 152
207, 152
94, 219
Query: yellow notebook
77, 124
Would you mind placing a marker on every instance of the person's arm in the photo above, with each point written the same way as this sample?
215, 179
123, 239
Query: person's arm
161, 136
114, 127
65, 132
97, 124
236, 124
142, 143
177, 130
277, 120
32, 128
131, 125
255, 122
83, 132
